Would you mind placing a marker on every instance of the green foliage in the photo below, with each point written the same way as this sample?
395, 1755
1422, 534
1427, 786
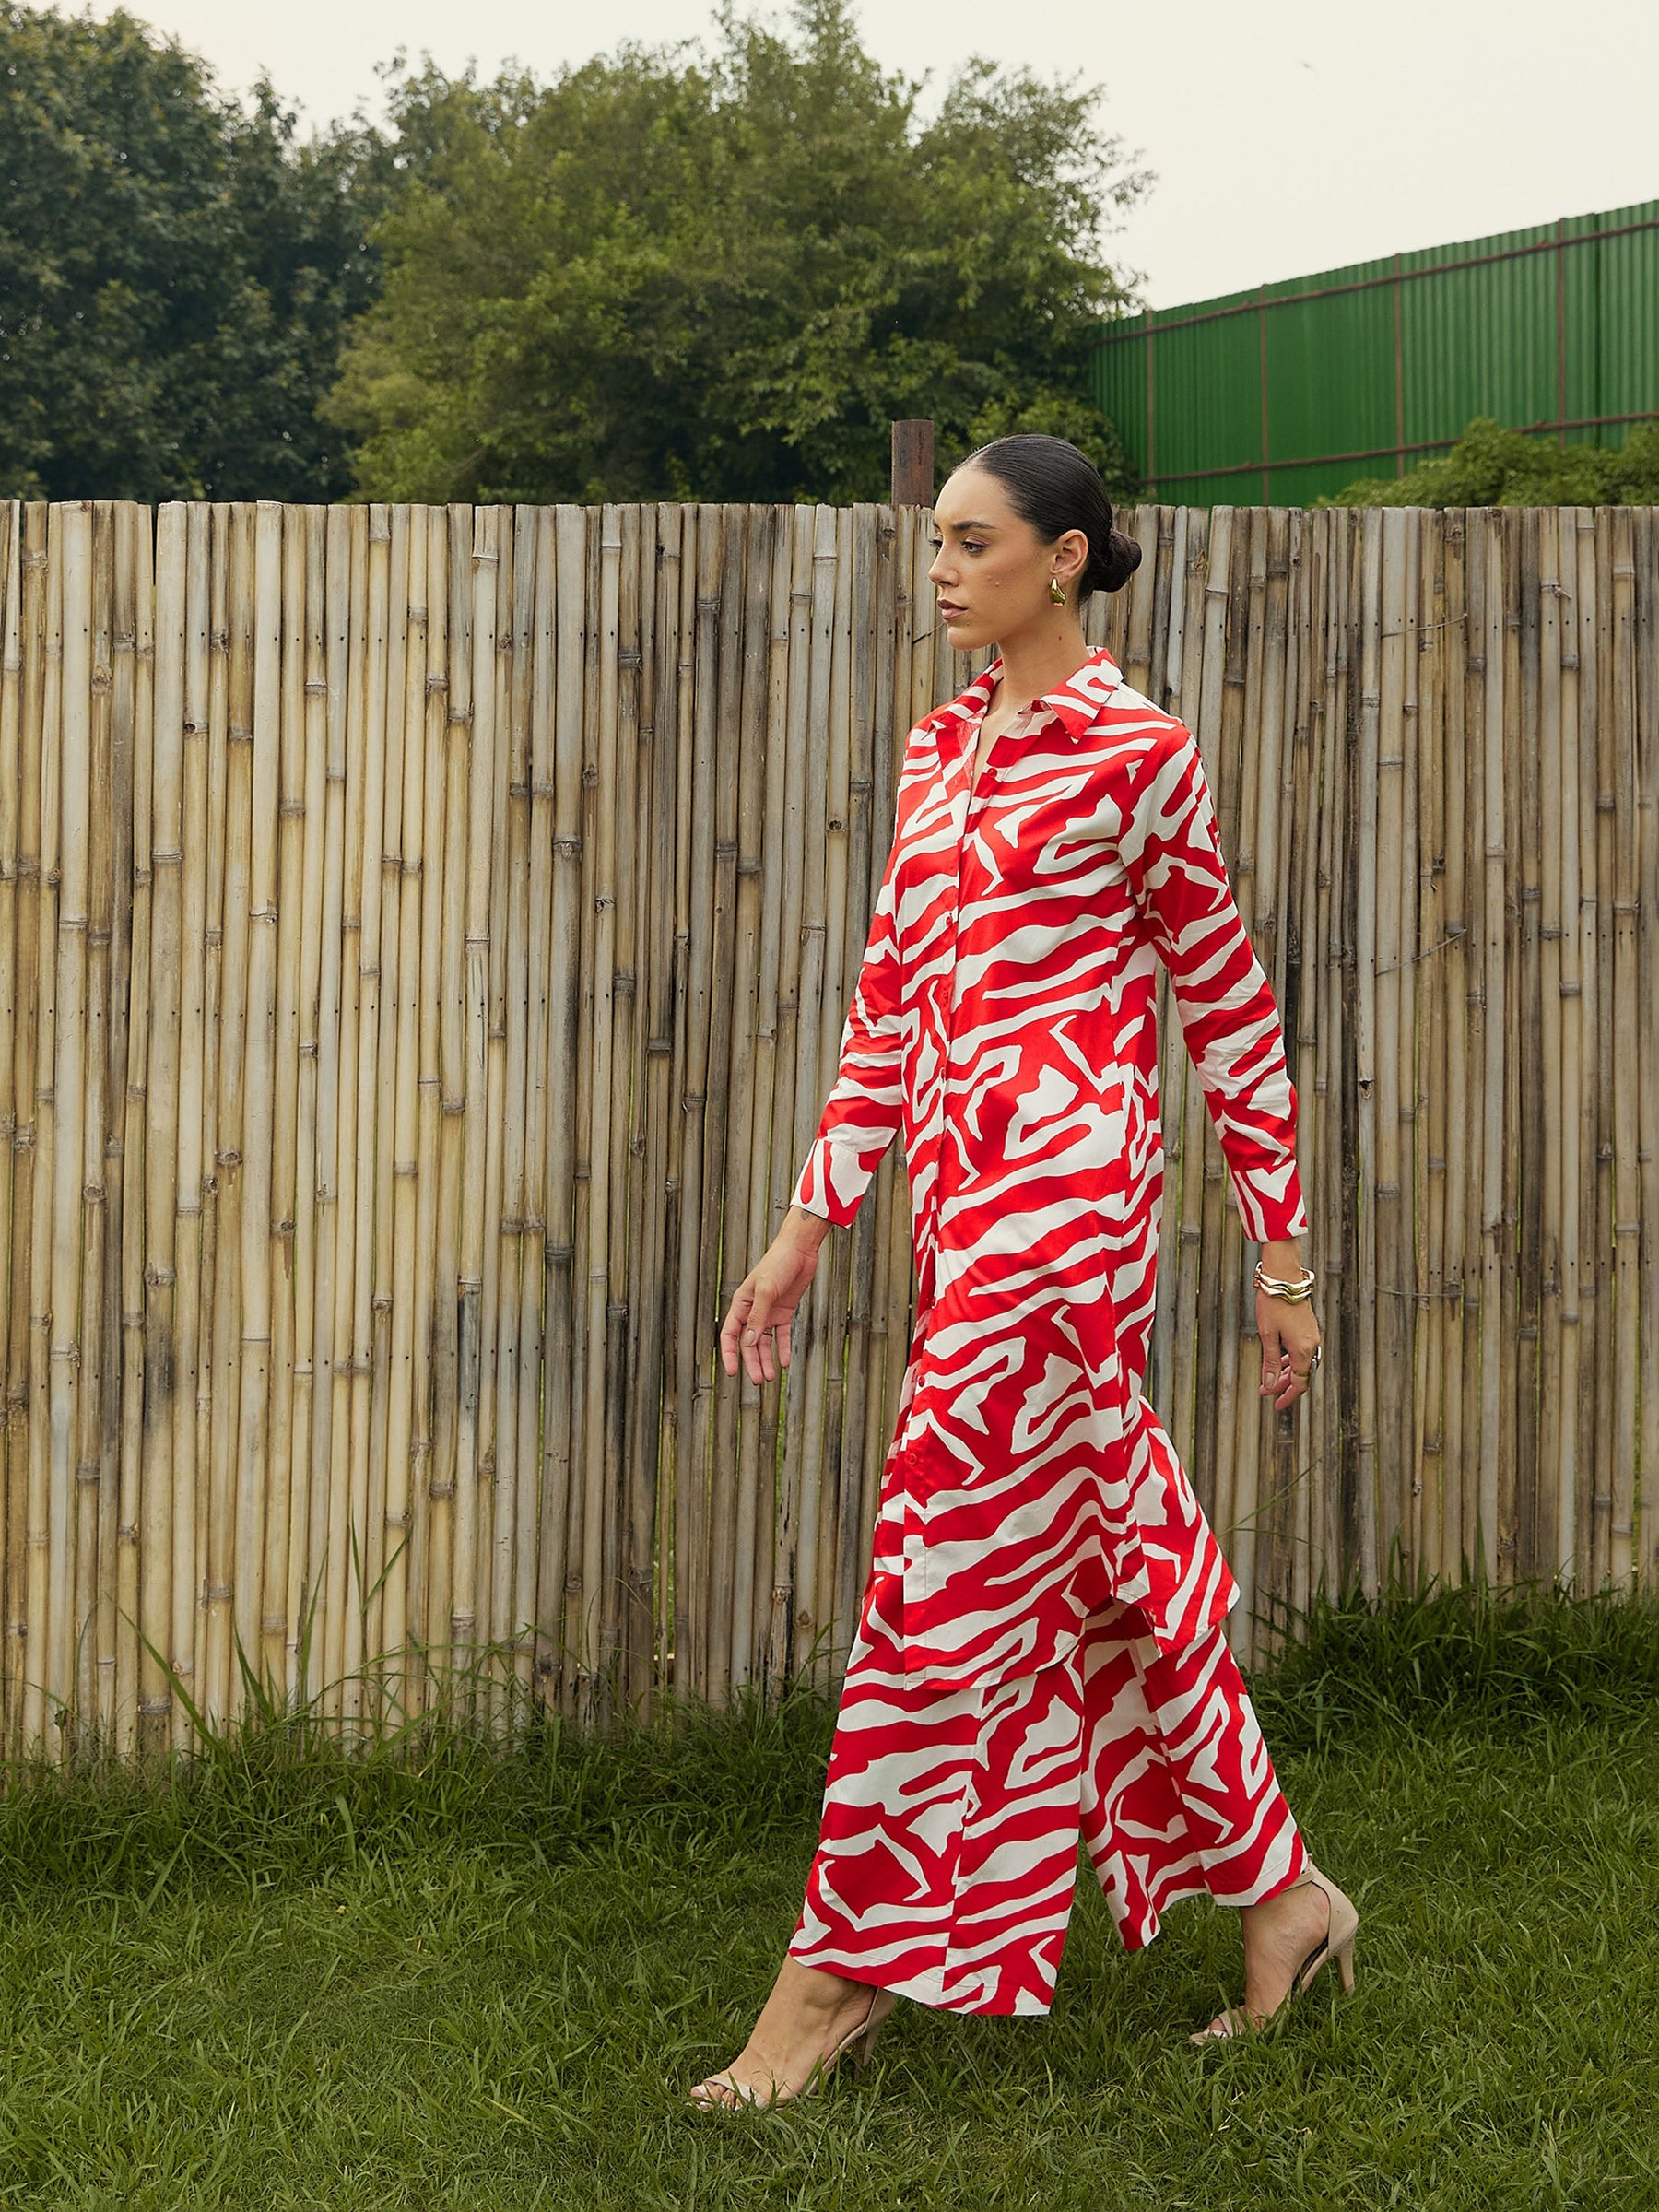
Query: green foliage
175, 272
1450, 1656
1490, 466
662, 275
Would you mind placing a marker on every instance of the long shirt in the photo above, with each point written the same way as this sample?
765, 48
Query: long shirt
1004, 1020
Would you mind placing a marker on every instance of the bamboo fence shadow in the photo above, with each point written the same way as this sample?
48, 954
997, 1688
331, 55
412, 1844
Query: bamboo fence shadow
424, 936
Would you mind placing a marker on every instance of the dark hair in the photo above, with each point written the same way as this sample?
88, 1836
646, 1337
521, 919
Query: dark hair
1056, 488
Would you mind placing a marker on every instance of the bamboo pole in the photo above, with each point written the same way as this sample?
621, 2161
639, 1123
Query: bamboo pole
491, 1685
385, 1556
799, 1025
37, 1646
404, 1281
862, 1440
888, 1234
639, 1382
1512, 1356
15, 993
820, 1405
832, 673
1494, 1031
1384, 730
578, 1691
178, 1134
193, 1483
324, 1547
1459, 1256
595, 1205
508, 938
341, 1660
219, 1676
533, 668
254, 1485
1548, 1554
287, 1503
1412, 1175
1591, 1328
129, 1443
1436, 924
1529, 1163
1340, 1506
559, 1485
1645, 560
1173, 1062
71, 1075
164, 1616
1239, 1444
431, 1496
622, 1227
1306, 768
658, 848
1571, 1126
449, 1611
723, 1394
1607, 1378
699, 712
478, 642
1224, 1251
750, 1176
1626, 1051
1474, 1040
310, 642
93, 1653
895, 1257
1180, 1080
354, 1406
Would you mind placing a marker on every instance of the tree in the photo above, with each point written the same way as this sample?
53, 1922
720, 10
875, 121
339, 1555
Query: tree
175, 273
662, 275
1490, 466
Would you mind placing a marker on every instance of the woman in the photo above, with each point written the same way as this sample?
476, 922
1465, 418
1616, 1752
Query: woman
1041, 1651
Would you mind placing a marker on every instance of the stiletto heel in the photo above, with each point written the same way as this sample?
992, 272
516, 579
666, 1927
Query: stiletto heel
1337, 1942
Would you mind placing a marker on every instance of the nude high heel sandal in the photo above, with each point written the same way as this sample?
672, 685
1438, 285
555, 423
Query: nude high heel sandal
1337, 1942
719, 2093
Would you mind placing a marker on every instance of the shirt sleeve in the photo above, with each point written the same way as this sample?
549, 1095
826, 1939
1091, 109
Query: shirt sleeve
866, 1104
1179, 879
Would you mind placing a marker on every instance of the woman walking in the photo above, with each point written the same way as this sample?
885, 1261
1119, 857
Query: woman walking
1040, 1652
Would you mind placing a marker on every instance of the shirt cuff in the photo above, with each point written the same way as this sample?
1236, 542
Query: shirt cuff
834, 1180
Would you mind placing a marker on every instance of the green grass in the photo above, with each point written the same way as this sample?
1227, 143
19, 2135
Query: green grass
290, 1979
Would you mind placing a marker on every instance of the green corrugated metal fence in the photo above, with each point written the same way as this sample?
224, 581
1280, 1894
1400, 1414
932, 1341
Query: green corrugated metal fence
1294, 389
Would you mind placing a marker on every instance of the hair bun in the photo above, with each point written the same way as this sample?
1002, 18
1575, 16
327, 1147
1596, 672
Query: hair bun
1111, 569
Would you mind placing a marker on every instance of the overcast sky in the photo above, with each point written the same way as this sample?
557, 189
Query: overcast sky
1288, 136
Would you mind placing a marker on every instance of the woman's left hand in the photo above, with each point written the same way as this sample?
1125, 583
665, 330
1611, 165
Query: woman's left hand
1289, 1336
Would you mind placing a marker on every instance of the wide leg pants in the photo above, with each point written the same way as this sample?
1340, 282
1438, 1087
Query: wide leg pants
947, 1854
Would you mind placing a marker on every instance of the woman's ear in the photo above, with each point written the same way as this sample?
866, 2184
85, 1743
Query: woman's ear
1074, 555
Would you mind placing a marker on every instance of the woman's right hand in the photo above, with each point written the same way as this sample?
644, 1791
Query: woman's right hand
765, 1299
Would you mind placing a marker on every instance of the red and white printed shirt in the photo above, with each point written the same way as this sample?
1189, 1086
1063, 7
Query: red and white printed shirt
1005, 1020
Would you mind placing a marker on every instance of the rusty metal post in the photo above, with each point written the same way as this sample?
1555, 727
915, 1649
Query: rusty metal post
913, 462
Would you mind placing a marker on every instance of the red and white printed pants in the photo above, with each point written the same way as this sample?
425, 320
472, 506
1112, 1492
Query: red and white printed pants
947, 1856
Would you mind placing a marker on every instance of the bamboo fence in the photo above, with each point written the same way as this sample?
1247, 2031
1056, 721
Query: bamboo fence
424, 936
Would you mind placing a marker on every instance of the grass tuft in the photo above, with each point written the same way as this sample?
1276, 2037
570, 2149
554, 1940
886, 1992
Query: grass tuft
1424, 1657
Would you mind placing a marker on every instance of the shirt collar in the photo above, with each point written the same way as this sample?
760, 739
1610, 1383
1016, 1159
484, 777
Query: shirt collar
1075, 702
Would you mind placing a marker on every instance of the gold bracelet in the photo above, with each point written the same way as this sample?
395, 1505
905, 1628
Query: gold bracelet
1293, 1293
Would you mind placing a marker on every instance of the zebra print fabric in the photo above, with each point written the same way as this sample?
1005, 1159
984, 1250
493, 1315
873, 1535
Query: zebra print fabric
1004, 1020
947, 1856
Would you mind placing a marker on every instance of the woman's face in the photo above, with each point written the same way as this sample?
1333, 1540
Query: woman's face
992, 570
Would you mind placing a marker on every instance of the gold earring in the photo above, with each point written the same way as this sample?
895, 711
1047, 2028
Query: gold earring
1056, 591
